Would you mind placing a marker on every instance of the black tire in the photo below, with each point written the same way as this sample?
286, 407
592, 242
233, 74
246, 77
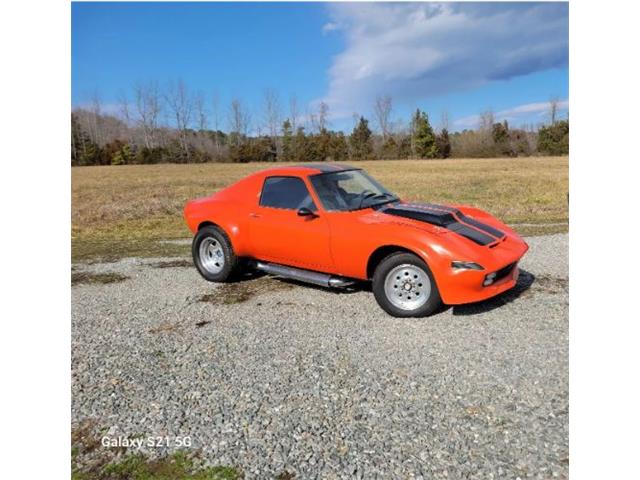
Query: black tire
394, 262
229, 267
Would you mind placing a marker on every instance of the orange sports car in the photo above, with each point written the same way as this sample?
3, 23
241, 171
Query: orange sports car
334, 225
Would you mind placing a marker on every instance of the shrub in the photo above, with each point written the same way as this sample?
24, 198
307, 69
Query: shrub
554, 139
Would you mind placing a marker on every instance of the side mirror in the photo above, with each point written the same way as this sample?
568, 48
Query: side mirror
305, 212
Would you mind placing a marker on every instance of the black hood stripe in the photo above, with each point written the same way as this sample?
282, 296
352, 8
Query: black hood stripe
461, 216
446, 217
481, 226
471, 233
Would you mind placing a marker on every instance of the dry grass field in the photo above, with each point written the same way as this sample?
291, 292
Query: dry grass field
120, 211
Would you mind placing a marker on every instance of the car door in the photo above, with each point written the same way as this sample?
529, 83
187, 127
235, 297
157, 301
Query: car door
278, 234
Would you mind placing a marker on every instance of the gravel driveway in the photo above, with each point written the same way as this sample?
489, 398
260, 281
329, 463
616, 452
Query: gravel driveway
275, 377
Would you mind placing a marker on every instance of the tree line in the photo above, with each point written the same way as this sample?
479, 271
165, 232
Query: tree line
174, 125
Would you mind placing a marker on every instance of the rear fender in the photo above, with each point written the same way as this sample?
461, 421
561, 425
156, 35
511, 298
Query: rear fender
224, 215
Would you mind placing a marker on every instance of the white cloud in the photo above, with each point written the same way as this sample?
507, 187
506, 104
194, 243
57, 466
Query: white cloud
113, 109
540, 107
527, 110
413, 51
330, 27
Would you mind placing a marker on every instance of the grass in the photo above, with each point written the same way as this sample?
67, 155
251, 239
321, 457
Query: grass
100, 463
108, 246
178, 466
178, 263
128, 210
87, 278
174, 467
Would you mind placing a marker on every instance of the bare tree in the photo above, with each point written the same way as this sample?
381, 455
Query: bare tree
201, 111
180, 105
319, 119
239, 119
125, 114
553, 109
148, 110
487, 119
323, 115
272, 115
355, 118
444, 120
382, 110
96, 110
215, 117
312, 120
293, 112
123, 108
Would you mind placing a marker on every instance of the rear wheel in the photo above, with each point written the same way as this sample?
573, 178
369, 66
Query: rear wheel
213, 254
403, 286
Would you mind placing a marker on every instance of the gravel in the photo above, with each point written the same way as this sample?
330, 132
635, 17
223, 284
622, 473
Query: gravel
322, 384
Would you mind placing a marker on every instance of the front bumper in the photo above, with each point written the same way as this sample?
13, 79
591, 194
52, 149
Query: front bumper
466, 286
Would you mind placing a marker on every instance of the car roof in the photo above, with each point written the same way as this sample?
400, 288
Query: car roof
308, 169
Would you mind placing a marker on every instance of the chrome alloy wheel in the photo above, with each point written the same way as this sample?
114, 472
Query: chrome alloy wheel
211, 255
407, 287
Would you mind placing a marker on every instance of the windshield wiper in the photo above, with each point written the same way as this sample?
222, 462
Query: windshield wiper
365, 197
392, 198
372, 195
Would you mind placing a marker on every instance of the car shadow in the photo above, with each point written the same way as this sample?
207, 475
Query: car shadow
246, 275
249, 274
356, 287
525, 280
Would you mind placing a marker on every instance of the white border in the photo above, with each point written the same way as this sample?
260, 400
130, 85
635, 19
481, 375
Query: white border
604, 319
36, 226
35, 193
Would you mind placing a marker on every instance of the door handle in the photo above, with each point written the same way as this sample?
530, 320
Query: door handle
254, 215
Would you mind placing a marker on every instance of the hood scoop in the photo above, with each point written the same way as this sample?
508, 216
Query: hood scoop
440, 219
448, 218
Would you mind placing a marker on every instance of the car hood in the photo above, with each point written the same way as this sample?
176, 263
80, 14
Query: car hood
443, 218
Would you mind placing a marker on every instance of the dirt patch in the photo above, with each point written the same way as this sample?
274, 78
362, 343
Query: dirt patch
88, 278
529, 285
164, 327
83, 437
178, 263
548, 284
240, 292
286, 475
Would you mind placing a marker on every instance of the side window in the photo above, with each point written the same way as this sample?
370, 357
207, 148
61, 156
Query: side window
286, 192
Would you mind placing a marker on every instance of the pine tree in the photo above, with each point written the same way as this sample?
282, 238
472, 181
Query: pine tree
300, 145
83, 150
339, 147
389, 149
444, 144
287, 141
360, 141
500, 132
422, 136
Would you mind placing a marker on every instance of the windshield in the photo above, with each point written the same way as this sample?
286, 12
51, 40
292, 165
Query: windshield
349, 190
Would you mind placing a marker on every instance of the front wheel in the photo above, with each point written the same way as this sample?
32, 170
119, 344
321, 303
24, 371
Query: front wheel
403, 286
213, 254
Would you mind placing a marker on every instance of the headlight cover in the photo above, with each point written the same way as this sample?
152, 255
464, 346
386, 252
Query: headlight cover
462, 265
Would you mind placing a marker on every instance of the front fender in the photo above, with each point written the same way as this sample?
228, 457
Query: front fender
353, 248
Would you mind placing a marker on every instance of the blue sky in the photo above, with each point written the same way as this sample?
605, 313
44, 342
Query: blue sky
461, 59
